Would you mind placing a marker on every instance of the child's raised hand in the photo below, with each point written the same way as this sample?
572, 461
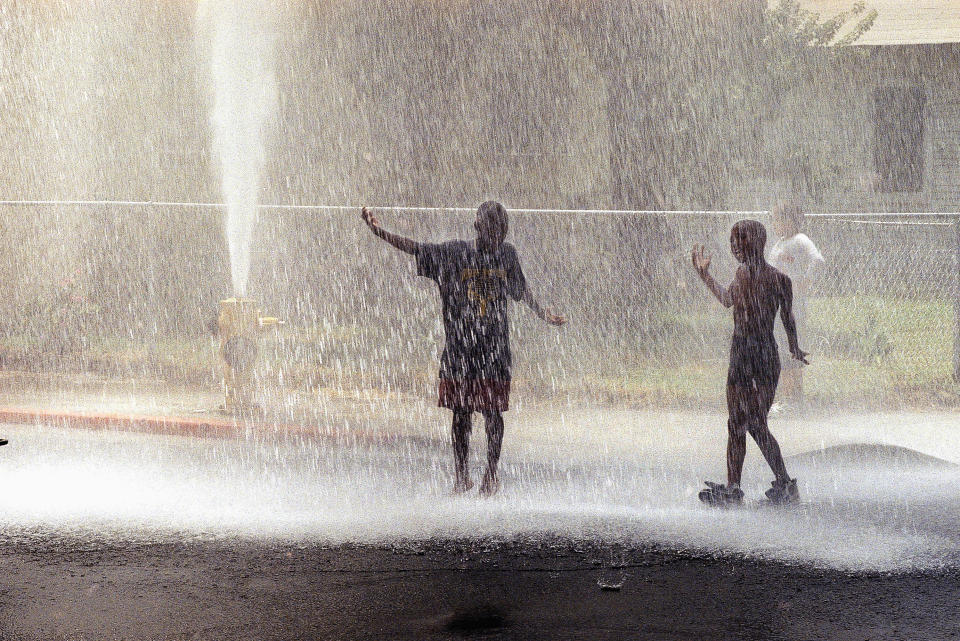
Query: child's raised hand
369, 218
701, 259
553, 319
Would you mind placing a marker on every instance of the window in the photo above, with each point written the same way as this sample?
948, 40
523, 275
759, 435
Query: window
898, 149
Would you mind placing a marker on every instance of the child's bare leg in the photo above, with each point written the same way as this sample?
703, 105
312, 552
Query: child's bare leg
461, 449
494, 427
736, 452
761, 433
736, 432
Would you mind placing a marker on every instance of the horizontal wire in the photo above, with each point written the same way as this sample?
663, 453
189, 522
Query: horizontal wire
899, 223
294, 207
858, 217
886, 214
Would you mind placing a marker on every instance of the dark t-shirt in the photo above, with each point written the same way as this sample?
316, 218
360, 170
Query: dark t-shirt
473, 289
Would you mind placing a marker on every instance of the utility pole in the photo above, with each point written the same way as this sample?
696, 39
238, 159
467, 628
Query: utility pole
956, 300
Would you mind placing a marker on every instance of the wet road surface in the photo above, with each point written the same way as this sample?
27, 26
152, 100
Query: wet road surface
58, 586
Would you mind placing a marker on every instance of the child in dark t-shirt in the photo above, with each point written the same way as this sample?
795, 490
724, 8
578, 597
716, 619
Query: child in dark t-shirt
475, 280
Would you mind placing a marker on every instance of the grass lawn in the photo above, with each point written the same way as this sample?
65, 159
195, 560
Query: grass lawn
863, 350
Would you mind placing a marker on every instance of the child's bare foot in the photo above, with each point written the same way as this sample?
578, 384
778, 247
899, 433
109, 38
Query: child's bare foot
462, 486
489, 486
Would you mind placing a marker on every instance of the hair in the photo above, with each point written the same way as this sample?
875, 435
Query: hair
496, 214
791, 212
753, 238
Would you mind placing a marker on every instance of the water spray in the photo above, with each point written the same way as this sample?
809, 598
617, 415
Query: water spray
240, 39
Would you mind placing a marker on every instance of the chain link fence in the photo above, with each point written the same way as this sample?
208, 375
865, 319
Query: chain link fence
131, 289
889, 299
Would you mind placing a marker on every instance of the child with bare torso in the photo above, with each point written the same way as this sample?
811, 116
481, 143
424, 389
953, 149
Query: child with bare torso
758, 291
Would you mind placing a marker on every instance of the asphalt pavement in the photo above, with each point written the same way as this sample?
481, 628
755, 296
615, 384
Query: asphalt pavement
55, 586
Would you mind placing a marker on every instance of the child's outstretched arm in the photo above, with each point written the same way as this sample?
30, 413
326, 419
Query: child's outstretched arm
789, 323
543, 314
701, 262
400, 242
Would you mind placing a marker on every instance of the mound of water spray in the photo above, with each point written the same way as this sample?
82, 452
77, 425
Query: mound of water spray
869, 453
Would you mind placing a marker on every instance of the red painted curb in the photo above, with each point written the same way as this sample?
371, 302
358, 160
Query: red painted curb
182, 426
170, 425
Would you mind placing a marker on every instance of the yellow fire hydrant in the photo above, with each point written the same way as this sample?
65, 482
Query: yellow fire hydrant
239, 326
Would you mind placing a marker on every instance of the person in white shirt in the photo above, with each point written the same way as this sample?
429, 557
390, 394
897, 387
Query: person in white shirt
796, 256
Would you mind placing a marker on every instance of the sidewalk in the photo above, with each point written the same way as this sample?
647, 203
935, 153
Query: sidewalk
88, 401
537, 430
554, 431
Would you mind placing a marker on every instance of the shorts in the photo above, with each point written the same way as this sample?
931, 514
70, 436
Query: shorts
752, 361
474, 395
